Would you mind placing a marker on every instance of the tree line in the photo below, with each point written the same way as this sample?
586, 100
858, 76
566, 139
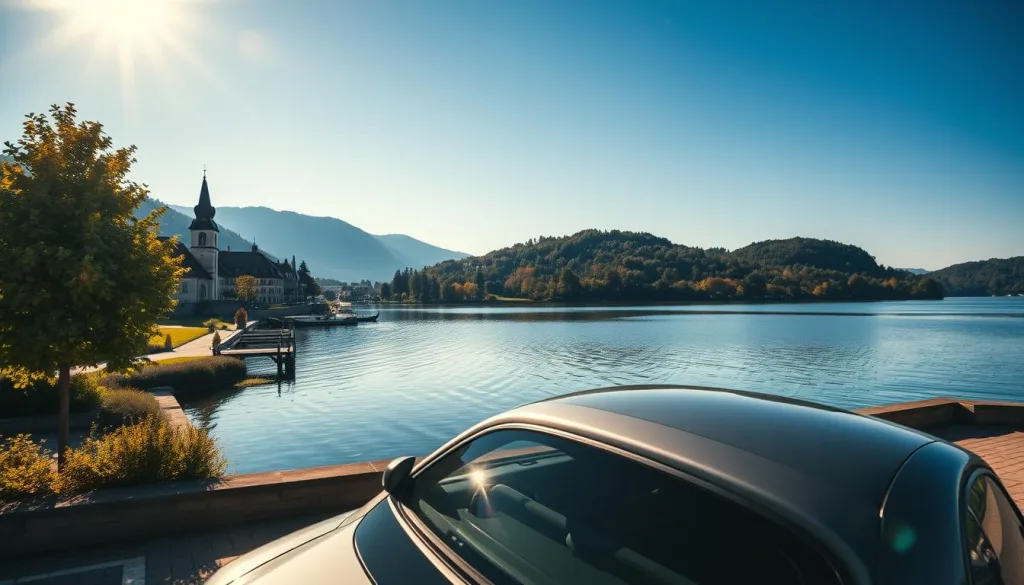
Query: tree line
616, 266
998, 276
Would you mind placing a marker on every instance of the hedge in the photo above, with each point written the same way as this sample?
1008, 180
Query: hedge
198, 376
42, 398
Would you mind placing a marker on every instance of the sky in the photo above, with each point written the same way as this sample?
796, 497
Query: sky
476, 124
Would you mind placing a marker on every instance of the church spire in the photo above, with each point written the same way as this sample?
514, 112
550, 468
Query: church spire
204, 210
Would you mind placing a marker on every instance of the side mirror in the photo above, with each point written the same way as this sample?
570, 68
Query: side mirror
397, 474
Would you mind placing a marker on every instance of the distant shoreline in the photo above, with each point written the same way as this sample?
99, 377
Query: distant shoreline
530, 303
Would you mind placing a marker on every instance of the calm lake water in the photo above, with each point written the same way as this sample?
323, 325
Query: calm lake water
405, 385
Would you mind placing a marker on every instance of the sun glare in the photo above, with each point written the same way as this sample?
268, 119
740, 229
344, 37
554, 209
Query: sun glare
134, 35
122, 21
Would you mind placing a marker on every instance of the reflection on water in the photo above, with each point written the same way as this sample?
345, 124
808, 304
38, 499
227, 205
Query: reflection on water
408, 383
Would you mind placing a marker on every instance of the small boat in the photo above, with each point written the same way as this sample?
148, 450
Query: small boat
347, 311
329, 320
369, 318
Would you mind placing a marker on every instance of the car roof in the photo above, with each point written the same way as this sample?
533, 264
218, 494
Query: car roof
827, 469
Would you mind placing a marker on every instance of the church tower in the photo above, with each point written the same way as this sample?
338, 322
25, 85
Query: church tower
204, 241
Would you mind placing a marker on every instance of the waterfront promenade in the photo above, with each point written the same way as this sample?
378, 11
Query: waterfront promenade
198, 347
994, 431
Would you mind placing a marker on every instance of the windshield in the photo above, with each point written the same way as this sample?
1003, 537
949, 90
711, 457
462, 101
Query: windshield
523, 507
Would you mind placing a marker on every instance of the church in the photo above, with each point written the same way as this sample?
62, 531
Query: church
210, 272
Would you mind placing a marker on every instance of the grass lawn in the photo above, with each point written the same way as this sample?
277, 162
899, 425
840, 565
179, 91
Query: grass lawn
176, 360
197, 322
179, 335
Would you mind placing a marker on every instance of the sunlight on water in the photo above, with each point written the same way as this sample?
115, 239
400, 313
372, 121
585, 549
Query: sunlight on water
407, 384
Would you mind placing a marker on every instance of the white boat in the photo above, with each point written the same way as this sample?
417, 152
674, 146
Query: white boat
329, 320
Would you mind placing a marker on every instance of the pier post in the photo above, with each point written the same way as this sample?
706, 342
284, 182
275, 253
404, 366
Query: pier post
280, 364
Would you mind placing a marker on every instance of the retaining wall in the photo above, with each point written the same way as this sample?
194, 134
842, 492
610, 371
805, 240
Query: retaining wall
125, 515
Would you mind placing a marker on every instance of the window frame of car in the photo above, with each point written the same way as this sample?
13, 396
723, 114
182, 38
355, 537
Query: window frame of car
971, 476
450, 562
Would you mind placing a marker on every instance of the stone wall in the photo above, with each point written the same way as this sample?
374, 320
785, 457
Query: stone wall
125, 515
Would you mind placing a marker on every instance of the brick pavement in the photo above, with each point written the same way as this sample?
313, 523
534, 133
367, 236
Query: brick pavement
182, 560
1002, 447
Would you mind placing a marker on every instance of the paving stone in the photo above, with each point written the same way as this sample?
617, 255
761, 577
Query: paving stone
1002, 447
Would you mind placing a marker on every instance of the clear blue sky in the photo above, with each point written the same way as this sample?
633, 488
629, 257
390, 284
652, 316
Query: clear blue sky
896, 126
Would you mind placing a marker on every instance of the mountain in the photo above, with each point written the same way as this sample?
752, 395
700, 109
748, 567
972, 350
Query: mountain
333, 248
414, 253
595, 265
175, 223
996, 276
917, 271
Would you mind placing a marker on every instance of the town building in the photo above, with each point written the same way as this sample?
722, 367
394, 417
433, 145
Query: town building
210, 272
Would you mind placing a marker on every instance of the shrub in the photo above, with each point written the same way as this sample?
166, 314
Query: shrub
42, 397
196, 376
123, 406
25, 468
145, 452
216, 339
241, 317
211, 324
168, 344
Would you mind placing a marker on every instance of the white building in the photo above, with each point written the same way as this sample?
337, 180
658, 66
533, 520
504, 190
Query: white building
211, 272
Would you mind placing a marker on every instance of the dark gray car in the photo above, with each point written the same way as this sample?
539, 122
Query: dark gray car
668, 485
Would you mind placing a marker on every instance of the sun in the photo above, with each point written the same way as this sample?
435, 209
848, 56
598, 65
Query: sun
135, 36
123, 22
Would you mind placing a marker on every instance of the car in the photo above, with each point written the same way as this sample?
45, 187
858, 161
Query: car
667, 485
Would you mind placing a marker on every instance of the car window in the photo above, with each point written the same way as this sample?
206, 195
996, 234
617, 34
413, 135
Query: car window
994, 540
530, 508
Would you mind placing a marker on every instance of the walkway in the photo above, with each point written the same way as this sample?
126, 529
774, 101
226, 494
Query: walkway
183, 560
1002, 447
199, 347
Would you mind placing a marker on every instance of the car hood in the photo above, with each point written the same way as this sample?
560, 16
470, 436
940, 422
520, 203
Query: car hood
321, 553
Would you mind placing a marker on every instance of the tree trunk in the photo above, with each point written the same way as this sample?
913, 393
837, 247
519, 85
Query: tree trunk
64, 413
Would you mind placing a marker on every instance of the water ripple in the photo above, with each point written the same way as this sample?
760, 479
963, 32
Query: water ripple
408, 383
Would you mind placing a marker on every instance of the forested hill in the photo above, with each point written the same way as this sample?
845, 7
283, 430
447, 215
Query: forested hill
998, 276
597, 265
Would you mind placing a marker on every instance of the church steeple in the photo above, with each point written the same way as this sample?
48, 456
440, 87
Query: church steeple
204, 210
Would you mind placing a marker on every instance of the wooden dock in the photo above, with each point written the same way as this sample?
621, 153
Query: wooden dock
278, 344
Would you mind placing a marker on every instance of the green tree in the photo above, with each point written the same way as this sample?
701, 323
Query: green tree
399, 283
82, 280
245, 288
330, 295
309, 285
479, 281
385, 290
569, 286
928, 288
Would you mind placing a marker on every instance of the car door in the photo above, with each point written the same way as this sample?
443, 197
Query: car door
993, 533
527, 506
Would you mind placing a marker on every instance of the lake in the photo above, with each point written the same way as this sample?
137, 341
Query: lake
407, 384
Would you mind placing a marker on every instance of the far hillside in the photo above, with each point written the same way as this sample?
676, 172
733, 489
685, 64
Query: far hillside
823, 254
597, 265
175, 223
332, 247
998, 276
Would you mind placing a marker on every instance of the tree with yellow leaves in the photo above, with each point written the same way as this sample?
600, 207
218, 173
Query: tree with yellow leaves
245, 288
82, 280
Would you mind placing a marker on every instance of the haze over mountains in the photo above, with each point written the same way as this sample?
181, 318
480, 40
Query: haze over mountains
333, 248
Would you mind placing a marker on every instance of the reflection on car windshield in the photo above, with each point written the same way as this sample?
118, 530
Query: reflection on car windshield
525, 507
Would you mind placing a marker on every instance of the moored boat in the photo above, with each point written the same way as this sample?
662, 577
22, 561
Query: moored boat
329, 320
